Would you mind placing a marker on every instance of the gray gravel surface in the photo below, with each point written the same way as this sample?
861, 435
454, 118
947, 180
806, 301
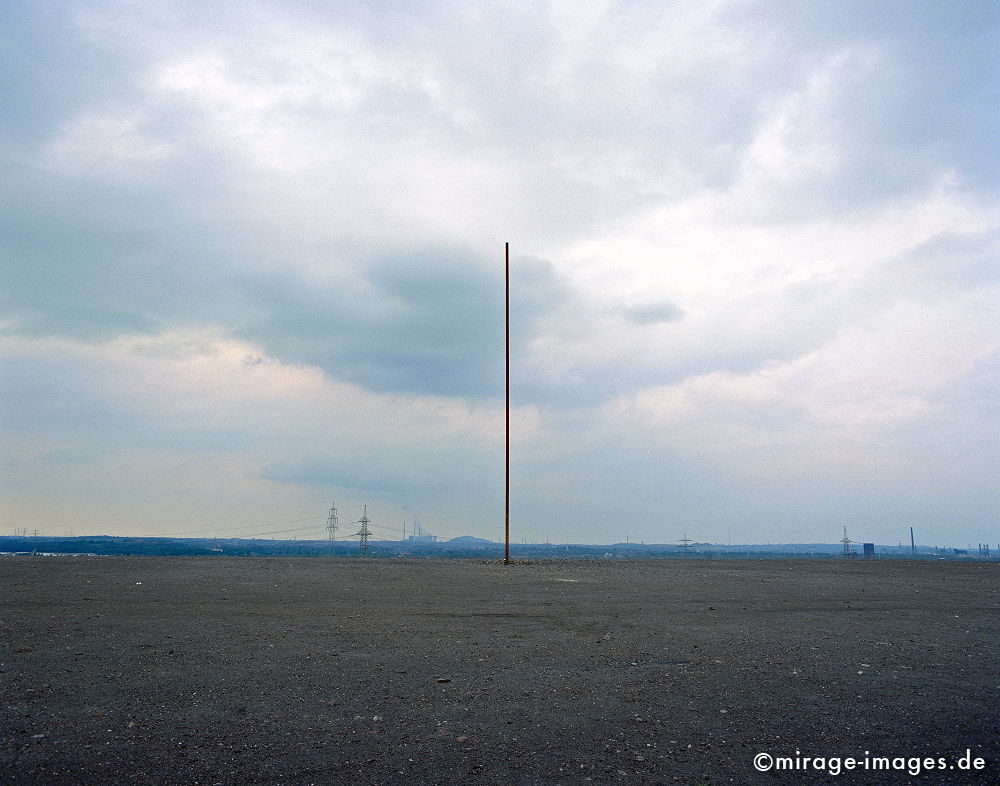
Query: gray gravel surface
216, 670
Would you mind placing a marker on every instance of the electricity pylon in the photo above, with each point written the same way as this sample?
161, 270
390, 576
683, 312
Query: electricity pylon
332, 524
364, 532
685, 543
847, 543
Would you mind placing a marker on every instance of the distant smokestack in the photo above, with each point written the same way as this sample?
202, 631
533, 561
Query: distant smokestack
913, 543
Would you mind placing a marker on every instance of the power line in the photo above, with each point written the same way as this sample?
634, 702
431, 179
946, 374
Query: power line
235, 529
281, 532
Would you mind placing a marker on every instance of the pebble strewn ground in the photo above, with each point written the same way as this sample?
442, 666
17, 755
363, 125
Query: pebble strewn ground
199, 670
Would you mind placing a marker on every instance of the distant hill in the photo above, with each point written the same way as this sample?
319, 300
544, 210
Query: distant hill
468, 542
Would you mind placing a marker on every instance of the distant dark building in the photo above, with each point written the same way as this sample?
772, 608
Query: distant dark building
869, 549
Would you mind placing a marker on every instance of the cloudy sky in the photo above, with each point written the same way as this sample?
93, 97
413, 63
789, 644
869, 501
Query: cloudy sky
252, 262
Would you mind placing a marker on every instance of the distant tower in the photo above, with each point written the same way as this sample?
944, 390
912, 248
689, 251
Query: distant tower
332, 524
364, 533
685, 543
847, 543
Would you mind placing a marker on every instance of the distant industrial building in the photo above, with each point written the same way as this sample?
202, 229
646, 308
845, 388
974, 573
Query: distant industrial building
418, 536
421, 539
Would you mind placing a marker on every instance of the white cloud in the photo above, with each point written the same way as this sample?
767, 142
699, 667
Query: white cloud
105, 145
804, 138
751, 292
888, 396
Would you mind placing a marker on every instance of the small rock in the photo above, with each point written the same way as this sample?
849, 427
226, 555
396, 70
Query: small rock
444, 679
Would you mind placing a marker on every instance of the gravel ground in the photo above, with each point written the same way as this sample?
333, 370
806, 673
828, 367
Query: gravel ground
219, 670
